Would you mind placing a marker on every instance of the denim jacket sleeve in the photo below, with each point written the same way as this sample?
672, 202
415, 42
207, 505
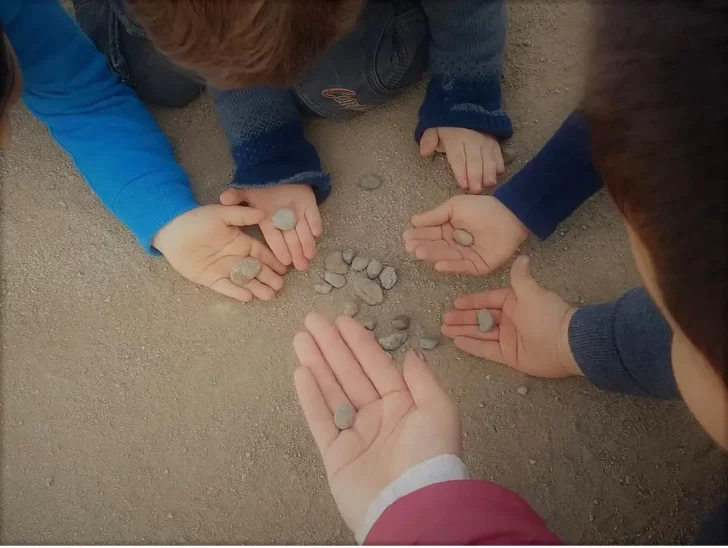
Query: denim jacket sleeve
468, 39
267, 141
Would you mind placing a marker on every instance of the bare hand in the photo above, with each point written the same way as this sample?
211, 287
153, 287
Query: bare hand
204, 244
475, 158
532, 327
296, 246
402, 419
496, 231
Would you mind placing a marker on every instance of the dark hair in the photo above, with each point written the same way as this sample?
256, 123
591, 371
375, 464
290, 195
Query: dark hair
6, 72
657, 107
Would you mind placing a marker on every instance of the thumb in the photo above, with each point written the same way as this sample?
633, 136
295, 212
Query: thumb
241, 216
521, 278
438, 216
429, 141
421, 382
232, 196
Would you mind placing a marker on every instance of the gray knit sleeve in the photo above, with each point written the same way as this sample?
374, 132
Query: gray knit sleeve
625, 346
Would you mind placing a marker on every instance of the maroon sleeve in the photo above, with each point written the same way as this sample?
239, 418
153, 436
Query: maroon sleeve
460, 512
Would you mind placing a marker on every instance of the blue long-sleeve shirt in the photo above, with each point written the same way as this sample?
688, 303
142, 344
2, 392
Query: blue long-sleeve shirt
111, 137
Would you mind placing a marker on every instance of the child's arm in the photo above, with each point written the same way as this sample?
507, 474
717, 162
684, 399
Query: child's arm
275, 166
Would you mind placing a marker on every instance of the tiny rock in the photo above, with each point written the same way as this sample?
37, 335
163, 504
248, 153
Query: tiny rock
351, 308
463, 237
374, 268
531, 462
393, 341
526, 43
244, 271
368, 322
284, 219
348, 255
388, 277
336, 280
481, 405
368, 291
335, 263
428, 343
359, 264
522, 390
344, 416
401, 322
370, 181
485, 320
322, 288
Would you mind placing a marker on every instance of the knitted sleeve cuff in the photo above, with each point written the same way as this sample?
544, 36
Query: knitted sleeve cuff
282, 156
457, 103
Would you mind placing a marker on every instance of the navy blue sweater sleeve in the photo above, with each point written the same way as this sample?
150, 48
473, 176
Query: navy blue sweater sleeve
625, 346
555, 182
468, 38
267, 142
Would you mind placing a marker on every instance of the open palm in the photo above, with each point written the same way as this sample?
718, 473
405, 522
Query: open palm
496, 231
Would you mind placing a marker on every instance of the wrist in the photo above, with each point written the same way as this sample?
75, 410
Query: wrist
565, 355
164, 235
518, 228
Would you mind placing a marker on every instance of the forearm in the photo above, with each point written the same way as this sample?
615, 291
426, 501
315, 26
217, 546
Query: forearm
625, 346
267, 141
555, 182
468, 39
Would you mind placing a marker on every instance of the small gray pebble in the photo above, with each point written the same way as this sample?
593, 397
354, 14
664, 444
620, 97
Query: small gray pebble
359, 264
463, 237
485, 320
351, 308
393, 341
370, 181
335, 263
522, 390
428, 343
322, 288
401, 322
344, 416
509, 154
244, 271
374, 269
348, 255
526, 43
284, 219
388, 278
368, 322
337, 280
368, 291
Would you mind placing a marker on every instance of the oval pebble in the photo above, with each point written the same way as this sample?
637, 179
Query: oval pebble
344, 416
351, 308
401, 322
337, 280
428, 343
463, 237
368, 291
244, 271
322, 288
393, 341
335, 263
370, 181
284, 219
348, 255
374, 268
359, 264
388, 278
485, 320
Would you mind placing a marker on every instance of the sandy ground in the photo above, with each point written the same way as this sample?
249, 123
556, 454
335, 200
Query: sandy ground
138, 408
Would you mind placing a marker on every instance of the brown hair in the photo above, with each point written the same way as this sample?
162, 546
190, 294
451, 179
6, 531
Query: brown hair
241, 43
657, 107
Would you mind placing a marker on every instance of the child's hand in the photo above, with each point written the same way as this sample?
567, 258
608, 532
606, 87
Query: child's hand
532, 327
496, 231
204, 244
402, 419
475, 158
296, 246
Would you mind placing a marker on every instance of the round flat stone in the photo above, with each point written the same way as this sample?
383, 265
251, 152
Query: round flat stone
485, 320
322, 288
244, 271
393, 341
463, 237
337, 280
344, 416
428, 343
348, 255
284, 219
351, 308
359, 264
370, 181
388, 278
335, 263
374, 268
368, 322
401, 322
368, 291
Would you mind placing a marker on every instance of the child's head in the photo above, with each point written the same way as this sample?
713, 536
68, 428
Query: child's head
10, 86
243, 43
657, 107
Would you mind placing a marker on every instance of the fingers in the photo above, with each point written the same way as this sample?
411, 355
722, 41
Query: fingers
308, 242
490, 350
310, 356
270, 278
265, 256
490, 167
467, 317
457, 266
474, 165
500, 162
342, 362
377, 365
313, 216
429, 142
457, 161
318, 416
437, 251
232, 196
435, 217
261, 291
229, 289
521, 278
422, 384
241, 216
488, 299
470, 331
264, 287
299, 260
277, 243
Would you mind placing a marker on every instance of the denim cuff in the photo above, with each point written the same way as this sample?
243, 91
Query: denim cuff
470, 105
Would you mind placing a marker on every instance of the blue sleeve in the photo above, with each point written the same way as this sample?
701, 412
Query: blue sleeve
111, 137
468, 39
267, 141
555, 182
625, 346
